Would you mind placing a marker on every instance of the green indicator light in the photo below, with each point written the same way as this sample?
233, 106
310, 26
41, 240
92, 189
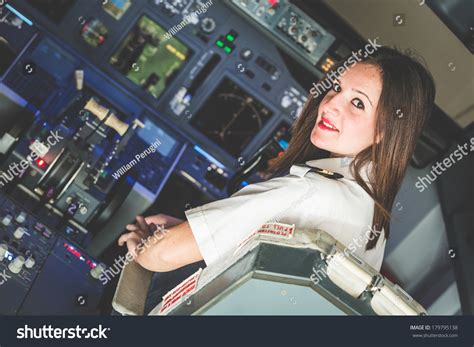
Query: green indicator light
230, 38
219, 43
227, 49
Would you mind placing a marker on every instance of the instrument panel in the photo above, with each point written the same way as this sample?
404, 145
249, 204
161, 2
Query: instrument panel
134, 92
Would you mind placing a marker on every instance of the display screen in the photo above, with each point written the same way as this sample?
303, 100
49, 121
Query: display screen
151, 133
13, 116
231, 117
7, 55
53, 59
53, 9
116, 8
148, 59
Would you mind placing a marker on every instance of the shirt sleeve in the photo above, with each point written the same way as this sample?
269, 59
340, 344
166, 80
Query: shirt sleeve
220, 226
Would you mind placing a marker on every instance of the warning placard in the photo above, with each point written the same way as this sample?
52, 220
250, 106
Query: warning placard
280, 230
187, 287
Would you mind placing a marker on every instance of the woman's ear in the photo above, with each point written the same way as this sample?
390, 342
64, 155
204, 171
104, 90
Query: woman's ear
378, 138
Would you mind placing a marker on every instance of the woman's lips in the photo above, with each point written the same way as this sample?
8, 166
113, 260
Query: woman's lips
325, 124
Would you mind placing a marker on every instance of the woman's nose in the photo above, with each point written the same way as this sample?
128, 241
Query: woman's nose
334, 105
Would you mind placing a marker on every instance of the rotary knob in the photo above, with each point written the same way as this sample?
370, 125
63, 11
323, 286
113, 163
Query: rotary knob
7, 220
208, 25
246, 54
17, 264
19, 232
21, 217
83, 210
286, 101
3, 250
30, 262
97, 271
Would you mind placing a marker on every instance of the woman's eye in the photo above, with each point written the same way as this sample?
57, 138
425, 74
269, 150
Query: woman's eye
358, 103
336, 87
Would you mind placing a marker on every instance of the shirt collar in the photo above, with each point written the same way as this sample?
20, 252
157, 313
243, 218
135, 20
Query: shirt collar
340, 165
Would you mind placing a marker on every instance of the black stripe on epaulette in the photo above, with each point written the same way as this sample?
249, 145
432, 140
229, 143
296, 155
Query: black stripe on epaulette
324, 172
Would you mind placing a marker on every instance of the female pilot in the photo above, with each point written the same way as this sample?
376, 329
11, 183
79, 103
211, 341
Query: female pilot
364, 125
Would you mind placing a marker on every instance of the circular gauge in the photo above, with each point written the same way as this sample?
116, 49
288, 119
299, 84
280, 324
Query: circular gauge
231, 117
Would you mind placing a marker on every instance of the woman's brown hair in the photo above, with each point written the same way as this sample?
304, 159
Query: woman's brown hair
405, 104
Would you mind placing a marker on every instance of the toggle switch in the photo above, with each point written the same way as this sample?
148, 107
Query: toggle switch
19, 232
97, 271
21, 217
7, 220
3, 250
30, 262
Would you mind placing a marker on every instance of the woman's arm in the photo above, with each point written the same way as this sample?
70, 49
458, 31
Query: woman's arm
165, 250
219, 226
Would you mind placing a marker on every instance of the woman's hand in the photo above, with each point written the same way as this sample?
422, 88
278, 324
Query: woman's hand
143, 228
168, 250
161, 218
138, 233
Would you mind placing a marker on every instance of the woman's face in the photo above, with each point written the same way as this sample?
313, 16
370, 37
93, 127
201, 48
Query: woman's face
345, 124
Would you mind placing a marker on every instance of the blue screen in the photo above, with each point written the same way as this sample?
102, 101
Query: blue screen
151, 133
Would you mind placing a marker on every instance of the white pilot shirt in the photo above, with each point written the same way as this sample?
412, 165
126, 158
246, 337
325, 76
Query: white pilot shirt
307, 199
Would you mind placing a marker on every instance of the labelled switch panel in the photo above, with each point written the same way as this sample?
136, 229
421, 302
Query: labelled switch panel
31, 250
290, 27
24, 243
268, 67
216, 176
